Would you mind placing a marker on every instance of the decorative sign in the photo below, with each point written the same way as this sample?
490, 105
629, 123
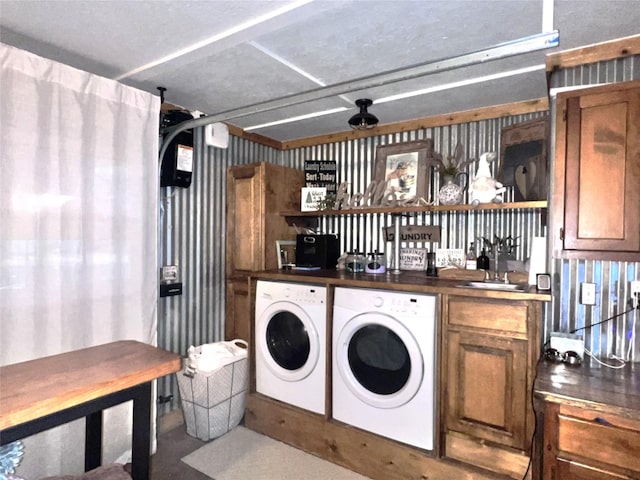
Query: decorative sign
450, 257
413, 258
523, 153
374, 196
310, 196
321, 173
413, 233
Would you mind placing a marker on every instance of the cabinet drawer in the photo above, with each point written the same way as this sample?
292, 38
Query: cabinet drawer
503, 316
601, 438
575, 471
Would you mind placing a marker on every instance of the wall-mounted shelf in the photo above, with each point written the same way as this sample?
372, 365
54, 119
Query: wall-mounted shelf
429, 208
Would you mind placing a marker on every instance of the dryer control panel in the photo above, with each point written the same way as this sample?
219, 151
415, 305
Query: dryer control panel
403, 304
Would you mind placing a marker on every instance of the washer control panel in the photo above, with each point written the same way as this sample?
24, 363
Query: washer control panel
300, 294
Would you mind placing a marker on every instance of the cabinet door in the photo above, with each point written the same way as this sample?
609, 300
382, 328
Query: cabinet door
487, 387
238, 311
244, 219
598, 171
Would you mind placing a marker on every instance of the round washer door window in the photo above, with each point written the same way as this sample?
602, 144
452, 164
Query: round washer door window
379, 360
287, 341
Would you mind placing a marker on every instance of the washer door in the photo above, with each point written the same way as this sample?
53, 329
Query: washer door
379, 360
287, 341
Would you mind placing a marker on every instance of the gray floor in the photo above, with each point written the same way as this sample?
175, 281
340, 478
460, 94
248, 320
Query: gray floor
172, 446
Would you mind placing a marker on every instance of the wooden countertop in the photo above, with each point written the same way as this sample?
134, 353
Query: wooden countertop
452, 283
33, 389
591, 386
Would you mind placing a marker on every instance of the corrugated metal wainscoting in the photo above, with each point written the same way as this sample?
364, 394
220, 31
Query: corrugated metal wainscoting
611, 278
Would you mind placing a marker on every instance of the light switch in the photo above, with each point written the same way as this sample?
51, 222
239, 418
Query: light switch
588, 293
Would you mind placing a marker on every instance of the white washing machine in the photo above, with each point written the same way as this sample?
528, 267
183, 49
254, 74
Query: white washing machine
291, 339
384, 363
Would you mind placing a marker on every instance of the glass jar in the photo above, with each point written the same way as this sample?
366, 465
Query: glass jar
354, 263
375, 263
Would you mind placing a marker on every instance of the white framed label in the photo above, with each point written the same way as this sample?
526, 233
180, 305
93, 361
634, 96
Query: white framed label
184, 160
310, 196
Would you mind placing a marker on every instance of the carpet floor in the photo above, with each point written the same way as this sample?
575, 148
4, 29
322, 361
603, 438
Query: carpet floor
244, 454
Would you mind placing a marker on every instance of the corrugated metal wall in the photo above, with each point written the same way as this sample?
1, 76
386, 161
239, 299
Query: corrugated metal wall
193, 237
611, 278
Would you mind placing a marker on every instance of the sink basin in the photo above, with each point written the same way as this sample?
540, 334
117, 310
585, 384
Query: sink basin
495, 285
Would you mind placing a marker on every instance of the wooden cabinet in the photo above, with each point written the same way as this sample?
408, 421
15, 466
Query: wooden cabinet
585, 444
491, 349
596, 199
256, 195
237, 308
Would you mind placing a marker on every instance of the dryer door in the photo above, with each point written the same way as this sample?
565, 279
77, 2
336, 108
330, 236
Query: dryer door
287, 341
379, 360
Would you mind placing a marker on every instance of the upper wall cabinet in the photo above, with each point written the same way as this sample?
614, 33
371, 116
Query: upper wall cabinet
256, 194
596, 192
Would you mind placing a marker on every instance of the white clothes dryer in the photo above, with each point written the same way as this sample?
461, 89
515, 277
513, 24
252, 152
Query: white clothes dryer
384, 363
290, 342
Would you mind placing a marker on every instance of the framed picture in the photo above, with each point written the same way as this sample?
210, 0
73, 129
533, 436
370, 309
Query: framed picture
286, 251
405, 167
523, 164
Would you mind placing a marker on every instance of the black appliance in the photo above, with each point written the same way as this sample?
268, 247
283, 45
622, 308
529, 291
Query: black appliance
317, 251
177, 163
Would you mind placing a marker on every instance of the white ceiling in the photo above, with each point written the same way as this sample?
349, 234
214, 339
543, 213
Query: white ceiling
217, 56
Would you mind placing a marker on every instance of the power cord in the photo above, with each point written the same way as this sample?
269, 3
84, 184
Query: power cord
533, 407
602, 321
604, 364
621, 361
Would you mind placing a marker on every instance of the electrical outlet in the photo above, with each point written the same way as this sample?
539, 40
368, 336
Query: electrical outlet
588, 293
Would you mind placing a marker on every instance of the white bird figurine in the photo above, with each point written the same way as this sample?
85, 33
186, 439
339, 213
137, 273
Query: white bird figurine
484, 188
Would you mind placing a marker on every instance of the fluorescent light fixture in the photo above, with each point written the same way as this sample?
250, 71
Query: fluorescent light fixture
287, 63
293, 67
461, 83
217, 37
295, 119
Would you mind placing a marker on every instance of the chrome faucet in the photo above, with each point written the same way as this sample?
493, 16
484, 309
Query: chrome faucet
496, 271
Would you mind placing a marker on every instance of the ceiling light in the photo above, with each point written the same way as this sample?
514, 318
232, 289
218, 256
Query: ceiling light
363, 119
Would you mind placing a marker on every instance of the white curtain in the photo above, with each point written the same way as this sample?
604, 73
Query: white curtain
78, 229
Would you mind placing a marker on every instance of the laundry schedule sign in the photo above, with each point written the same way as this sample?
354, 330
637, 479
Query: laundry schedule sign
321, 173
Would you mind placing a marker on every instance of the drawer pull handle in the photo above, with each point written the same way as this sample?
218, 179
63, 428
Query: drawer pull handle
602, 421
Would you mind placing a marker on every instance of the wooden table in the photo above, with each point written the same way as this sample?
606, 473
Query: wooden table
43, 393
